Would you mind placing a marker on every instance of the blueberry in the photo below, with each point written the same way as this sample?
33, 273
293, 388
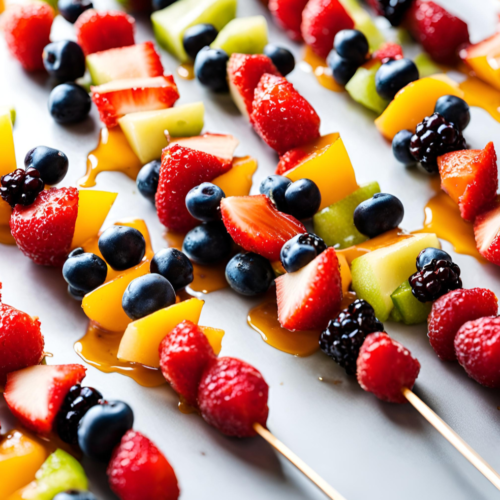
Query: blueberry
198, 36
249, 274
147, 180
401, 147
207, 244
302, 199
210, 68
75, 252
75, 495
300, 250
342, 69
51, 163
453, 109
173, 265
75, 294
85, 272
379, 214
102, 428
392, 76
282, 58
161, 4
274, 186
122, 247
352, 46
69, 103
72, 9
203, 202
428, 254
64, 60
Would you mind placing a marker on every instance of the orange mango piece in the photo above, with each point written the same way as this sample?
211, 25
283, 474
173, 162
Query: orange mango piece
238, 180
214, 336
484, 59
7, 156
345, 273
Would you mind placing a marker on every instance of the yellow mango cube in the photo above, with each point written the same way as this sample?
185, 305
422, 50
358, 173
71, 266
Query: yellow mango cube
8, 154
345, 273
214, 336
238, 180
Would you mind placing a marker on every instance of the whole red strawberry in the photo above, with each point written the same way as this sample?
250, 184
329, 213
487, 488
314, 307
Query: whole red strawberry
138, 470
288, 15
27, 30
233, 396
385, 367
477, 345
44, 230
454, 309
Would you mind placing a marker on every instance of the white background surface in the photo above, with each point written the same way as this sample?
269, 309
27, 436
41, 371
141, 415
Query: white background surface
365, 448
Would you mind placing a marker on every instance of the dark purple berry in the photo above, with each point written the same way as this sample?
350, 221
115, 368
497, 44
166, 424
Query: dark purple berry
21, 187
435, 279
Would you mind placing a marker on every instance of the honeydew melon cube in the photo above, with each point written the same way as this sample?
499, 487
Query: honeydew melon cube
244, 35
408, 308
361, 88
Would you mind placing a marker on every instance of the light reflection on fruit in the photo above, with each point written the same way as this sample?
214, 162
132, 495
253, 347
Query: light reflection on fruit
186, 71
321, 70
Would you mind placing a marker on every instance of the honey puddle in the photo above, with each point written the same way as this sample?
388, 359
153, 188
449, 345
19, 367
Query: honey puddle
320, 70
186, 71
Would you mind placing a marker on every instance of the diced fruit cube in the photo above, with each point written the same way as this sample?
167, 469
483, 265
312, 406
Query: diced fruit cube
238, 181
214, 336
245, 35
335, 224
407, 307
483, 58
345, 274
364, 22
361, 88
8, 162
487, 232
425, 65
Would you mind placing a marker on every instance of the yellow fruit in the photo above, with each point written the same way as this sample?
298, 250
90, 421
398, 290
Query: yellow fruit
238, 181
484, 59
345, 273
8, 155
214, 336
5, 212
141, 341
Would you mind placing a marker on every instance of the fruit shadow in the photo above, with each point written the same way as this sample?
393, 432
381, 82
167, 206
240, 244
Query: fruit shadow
98, 479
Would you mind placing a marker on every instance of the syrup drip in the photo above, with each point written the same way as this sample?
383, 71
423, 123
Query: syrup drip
186, 71
317, 65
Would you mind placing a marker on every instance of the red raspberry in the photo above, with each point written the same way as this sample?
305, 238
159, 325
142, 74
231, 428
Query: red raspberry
27, 29
388, 51
451, 311
385, 367
288, 15
477, 345
138, 470
184, 355
233, 396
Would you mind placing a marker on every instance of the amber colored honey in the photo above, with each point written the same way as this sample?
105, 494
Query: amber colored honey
321, 70
6, 237
186, 71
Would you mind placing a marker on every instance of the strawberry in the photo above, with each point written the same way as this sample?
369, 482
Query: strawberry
487, 232
470, 177
27, 30
138, 470
388, 51
256, 225
310, 297
244, 72
290, 160
321, 21
34, 395
288, 15
44, 230
97, 31
281, 116
115, 99
440, 33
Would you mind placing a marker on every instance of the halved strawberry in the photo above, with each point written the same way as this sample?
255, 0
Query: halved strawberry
35, 395
470, 177
117, 98
288, 15
487, 232
254, 223
290, 160
309, 298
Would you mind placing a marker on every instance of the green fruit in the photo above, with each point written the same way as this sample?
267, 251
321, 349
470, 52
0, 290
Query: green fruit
85, 81
145, 131
426, 66
52, 3
244, 35
376, 275
407, 307
335, 224
11, 110
170, 23
361, 88
364, 23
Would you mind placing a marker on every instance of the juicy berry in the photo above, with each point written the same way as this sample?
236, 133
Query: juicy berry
85, 272
203, 202
64, 60
300, 250
428, 254
207, 244
393, 10
122, 247
281, 57
274, 187
197, 37
342, 69
351, 45
379, 214
173, 265
401, 147
392, 76
210, 68
21, 187
75, 495
388, 51
147, 180
288, 15
453, 109
249, 274
69, 103
71, 10
487, 232
303, 199
51, 163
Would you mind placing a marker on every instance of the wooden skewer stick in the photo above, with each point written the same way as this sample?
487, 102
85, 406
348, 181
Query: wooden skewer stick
295, 460
453, 438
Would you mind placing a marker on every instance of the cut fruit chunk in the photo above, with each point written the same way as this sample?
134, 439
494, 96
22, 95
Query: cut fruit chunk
220, 145
484, 58
361, 88
335, 224
214, 336
141, 341
245, 35
407, 308
345, 274
8, 160
363, 22
238, 181
487, 232
169, 24
425, 65
376, 275
145, 131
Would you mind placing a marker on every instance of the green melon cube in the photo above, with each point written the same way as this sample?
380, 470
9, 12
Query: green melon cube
364, 23
426, 66
244, 35
410, 309
361, 88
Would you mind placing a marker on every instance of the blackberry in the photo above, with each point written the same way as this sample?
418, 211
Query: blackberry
434, 137
21, 186
436, 278
345, 334
393, 10
77, 402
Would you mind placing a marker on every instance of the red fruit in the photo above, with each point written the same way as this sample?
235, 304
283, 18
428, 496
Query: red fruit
477, 345
102, 30
44, 230
310, 297
385, 367
117, 98
288, 15
440, 33
138, 470
184, 355
244, 72
281, 116
321, 21
34, 395
290, 160
27, 30
454, 309
388, 51
233, 396
256, 225
470, 177
487, 232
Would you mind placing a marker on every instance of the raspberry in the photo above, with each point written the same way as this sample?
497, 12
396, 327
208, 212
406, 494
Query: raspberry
385, 367
288, 15
233, 396
138, 470
21, 186
388, 51
184, 355
454, 309
393, 10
